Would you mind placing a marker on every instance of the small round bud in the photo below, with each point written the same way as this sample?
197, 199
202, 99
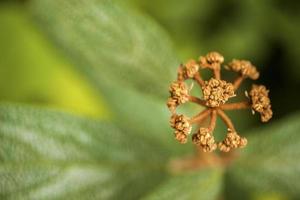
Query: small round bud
232, 141
172, 103
244, 67
190, 69
180, 137
205, 139
179, 92
217, 92
182, 127
261, 102
212, 60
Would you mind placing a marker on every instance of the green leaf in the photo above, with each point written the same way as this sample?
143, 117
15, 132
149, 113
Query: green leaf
270, 163
203, 185
123, 53
50, 155
48, 80
110, 43
144, 115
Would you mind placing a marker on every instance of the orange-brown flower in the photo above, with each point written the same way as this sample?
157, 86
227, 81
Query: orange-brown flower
232, 141
190, 69
261, 102
212, 60
217, 92
172, 103
182, 127
179, 92
205, 139
244, 67
180, 137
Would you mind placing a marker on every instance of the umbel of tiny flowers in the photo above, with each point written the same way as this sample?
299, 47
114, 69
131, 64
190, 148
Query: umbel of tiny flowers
216, 92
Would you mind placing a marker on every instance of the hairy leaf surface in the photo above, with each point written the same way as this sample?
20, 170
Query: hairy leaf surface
49, 155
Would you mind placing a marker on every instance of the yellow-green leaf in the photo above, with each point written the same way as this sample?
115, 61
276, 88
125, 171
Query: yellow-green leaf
50, 155
111, 43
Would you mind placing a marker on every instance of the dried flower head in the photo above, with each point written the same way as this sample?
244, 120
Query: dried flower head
190, 69
232, 141
172, 103
179, 92
260, 102
182, 127
244, 67
205, 139
216, 93
212, 60
180, 137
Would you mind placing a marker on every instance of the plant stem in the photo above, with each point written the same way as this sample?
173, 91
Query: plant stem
197, 100
201, 116
226, 120
198, 79
236, 106
213, 119
237, 82
217, 73
180, 73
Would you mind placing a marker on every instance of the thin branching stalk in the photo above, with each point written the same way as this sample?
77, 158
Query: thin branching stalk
236, 106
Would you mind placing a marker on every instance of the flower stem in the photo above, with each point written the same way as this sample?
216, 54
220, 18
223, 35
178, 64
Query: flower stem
226, 120
236, 106
180, 76
213, 119
198, 79
217, 73
200, 117
197, 100
237, 82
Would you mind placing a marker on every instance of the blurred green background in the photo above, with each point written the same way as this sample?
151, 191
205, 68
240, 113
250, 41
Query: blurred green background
34, 71
265, 32
31, 70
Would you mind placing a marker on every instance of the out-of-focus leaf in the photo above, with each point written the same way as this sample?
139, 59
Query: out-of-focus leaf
270, 163
110, 43
49, 155
196, 27
202, 185
126, 56
32, 72
143, 115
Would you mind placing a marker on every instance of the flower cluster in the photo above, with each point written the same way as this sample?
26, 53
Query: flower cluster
212, 60
244, 67
179, 94
182, 127
190, 69
216, 92
205, 139
232, 141
261, 102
